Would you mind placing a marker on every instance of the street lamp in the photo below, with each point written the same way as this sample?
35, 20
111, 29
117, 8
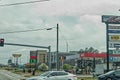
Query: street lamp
57, 46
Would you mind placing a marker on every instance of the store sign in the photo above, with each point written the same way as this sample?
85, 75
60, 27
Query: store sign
114, 37
110, 19
114, 31
117, 45
112, 44
114, 27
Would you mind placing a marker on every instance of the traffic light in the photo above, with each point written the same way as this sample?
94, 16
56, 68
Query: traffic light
1, 42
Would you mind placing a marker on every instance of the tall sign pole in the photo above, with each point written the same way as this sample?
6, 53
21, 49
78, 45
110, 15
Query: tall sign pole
107, 47
112, 34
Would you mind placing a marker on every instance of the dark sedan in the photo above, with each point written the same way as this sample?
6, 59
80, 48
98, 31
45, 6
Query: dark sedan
111, 75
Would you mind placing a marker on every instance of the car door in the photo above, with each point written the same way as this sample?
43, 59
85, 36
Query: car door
61, 76
52, 76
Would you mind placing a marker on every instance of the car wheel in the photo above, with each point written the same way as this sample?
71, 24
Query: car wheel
108, 79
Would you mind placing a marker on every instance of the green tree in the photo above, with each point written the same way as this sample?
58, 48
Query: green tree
90, 49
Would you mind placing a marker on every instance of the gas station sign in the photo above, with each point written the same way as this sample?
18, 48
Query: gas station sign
110, 19
114, 27
114, 37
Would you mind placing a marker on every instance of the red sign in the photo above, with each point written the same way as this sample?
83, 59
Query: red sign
33, 57
97, 55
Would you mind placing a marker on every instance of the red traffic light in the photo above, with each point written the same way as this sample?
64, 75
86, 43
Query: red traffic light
1, 42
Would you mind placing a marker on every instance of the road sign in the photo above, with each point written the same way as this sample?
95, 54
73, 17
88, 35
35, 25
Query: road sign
114, 37
110, 19
114, 31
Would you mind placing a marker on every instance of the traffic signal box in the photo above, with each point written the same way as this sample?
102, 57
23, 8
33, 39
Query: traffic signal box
1, 42
62, 58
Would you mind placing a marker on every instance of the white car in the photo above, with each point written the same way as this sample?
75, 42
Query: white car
54, 75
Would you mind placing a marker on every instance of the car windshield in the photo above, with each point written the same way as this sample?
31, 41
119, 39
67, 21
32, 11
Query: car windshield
45, 74
110, 72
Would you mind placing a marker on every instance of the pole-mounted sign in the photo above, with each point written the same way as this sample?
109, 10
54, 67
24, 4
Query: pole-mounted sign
112, 33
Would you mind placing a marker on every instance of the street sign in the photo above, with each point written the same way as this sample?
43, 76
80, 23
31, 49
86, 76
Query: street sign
114, 31
110, 19
114, 37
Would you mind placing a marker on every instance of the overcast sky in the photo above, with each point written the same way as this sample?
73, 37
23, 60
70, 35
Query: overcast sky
79, 22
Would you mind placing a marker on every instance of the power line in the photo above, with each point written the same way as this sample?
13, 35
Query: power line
21, 3
25, 30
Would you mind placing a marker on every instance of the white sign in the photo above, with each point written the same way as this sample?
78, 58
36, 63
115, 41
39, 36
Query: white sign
73, 56
112, 44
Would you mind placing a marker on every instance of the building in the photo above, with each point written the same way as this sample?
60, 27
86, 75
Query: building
41, 56
38, 56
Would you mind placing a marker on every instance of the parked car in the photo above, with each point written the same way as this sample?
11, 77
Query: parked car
54, 75
111, 75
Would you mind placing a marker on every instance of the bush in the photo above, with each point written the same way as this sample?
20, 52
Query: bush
43, 67
67, 67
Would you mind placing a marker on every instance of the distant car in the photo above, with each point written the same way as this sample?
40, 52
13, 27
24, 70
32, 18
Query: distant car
54, 75
111, 75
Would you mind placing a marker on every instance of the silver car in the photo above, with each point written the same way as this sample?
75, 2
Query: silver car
54, 75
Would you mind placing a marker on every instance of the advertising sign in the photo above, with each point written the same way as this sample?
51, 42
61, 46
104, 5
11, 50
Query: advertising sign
114, 27
33, 54
112, 44
117, 45
110, 19
114, 37
114, 31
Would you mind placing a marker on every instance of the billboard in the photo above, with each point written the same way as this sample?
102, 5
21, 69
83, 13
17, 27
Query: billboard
111, 19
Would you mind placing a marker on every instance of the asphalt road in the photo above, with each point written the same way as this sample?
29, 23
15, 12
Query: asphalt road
2, 77
6, 75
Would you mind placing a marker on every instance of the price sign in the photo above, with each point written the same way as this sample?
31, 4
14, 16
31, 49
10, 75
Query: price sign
114, 38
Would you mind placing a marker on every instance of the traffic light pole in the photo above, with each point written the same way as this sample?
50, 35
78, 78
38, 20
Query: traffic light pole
49, 49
